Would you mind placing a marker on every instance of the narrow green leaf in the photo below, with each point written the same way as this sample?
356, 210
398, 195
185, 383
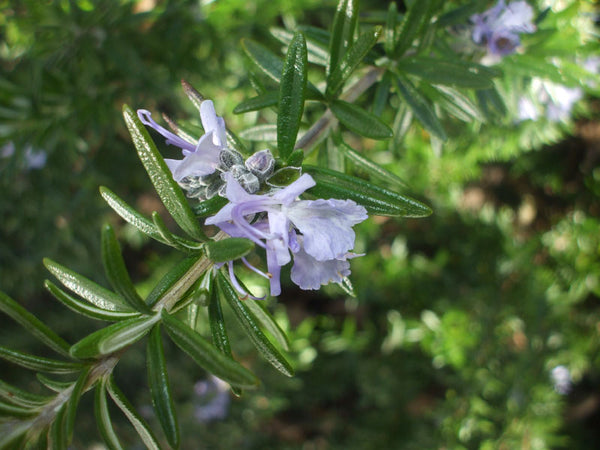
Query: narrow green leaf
86, 288
418, 15
360, 121
261, 101
375, 199
209, 207
262, 133
382, 93
206, 355
38, 363
166, 187
228, 249
390, 29
455, 102
160, 388
317, 51
292, 92
420, 107
170, 278
73, 403
140, 425
461, 14
249, 323
6, 409
57, 434
265, 318
401, 125
113, 338
234, 142
450, 72
170, 238
12, 436
491, 103
351, 60
342, 32
130, 215
116, 272
272, 65
33, 325
373, 169
19, 397
53, 385
218, 329
103, 417
86, 309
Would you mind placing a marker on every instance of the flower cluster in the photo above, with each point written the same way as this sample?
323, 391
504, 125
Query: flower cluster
317, 233
498, 28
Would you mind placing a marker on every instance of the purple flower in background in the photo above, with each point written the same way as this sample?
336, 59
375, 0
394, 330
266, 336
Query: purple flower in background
498, 28
201, 158
317, 232
213, 394
33, 159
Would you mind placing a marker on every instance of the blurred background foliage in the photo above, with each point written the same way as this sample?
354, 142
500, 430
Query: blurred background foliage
478, 327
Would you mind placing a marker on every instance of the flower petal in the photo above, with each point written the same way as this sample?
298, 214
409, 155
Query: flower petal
213, 123
308, 273
326, 225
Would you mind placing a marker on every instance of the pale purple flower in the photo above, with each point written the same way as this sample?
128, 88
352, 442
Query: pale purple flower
561, 378
201, 158
498, 28
317, 232
214, 399
34, 159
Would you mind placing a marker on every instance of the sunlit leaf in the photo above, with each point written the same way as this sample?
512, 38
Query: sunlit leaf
292, 92
377, 200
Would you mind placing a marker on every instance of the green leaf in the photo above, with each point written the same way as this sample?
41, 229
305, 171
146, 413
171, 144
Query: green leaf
292, 92
374, 170
76, 393
382, 93
160, 388
86, 288
209, 207
18, 397
140, 425
491, 103
265, 318
460, 15
166, 187
103, 417
13, 436
228, 249
375, 199
57, 434
38, 363
206, 355
420, 107
351, 60
360, 121
33, 325
9, 410
317, 51
262, 133
53, 385
131, 215
170, 238
249, 323
296, 158
170, 278
418, 15
113, 338
449, 72
116, 272
261, 101
390, 29
85, 308
218, 329
272, 65
342, 32
285, 176
455, 102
